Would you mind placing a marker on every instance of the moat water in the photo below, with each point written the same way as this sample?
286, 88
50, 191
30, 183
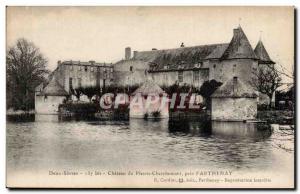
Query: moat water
47, 143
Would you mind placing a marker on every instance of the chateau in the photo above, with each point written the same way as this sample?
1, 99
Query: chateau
184, 65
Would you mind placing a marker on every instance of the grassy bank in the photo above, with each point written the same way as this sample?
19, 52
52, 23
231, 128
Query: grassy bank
276, 116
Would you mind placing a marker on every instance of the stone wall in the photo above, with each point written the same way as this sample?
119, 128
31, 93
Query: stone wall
233, 109
130, 72
189, 77
83, 75
227, 69
47, 105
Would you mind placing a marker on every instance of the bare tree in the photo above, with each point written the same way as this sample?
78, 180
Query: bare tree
266, 80
25, 69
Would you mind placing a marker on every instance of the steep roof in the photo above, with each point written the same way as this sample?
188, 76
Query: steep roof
148, 87
54, 89
235, 89
262, 53
239, 47
185, 56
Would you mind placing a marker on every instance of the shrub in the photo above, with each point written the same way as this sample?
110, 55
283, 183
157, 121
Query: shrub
156, 114
146, 115
79, 108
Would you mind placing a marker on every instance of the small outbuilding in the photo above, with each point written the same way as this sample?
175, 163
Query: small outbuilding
48, 99
234, 101
149, 101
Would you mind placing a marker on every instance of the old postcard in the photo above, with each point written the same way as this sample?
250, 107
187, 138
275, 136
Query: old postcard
150, 97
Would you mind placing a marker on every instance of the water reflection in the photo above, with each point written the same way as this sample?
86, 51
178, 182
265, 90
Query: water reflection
50, 143
241, 130
192, 128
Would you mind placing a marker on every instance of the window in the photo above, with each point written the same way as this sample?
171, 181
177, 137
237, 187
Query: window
79, 82
165, 76
85, 68
92, 69
131, 68
233, 68
71, 67
70, 83
204, 74
196, 75
105, 74
80, 68
180, 76
214, 65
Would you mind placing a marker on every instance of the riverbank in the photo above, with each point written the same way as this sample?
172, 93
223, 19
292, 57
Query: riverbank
10, 112
20, 115
283, 117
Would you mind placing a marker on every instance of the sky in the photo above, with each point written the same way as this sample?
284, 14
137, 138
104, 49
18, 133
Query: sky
102, 33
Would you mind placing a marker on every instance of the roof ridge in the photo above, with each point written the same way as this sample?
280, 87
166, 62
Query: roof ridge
239, 46
262, 53
186, 47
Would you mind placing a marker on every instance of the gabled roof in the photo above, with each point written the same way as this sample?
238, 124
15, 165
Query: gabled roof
54, 89
234, 89
262, 53
184, 56
148, 87
239, 47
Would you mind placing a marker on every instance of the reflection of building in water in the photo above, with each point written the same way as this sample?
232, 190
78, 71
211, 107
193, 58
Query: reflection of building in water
193, 128
240, 129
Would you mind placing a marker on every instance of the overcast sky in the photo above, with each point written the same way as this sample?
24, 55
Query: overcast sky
102, 33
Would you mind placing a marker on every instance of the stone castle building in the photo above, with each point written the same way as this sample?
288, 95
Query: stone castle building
193, 65
70, 75
184, 65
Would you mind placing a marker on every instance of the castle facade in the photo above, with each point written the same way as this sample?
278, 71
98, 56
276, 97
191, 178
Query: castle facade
184, 65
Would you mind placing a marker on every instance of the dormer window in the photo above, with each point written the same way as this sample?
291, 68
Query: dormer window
166, 66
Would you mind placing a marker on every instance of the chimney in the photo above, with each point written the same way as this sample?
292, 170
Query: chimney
154, 49
134, 54
235, 80
182, 44
92, 62
127, 53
